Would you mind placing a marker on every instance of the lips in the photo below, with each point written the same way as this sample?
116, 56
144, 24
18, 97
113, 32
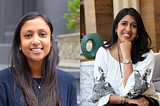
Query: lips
127, 35
36, 50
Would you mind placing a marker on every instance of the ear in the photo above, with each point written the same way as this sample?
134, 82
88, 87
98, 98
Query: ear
20, 46
115, 29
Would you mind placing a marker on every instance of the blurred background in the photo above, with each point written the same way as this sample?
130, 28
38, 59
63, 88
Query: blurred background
60, 15
97, 17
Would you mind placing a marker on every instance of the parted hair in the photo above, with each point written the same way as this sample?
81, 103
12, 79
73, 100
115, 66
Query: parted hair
21, 72
141, 44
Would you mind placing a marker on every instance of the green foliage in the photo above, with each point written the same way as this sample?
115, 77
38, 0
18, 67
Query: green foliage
73, 16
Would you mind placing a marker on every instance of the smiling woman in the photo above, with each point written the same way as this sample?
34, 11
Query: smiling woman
124, 65
32, 79
35, 41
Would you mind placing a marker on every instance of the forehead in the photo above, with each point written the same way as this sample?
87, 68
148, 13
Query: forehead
35, 23
128, 18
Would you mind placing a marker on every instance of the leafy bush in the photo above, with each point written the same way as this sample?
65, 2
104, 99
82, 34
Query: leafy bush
73, 16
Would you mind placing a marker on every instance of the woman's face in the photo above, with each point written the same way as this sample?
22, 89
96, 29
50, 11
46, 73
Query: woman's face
127, 29
36, 41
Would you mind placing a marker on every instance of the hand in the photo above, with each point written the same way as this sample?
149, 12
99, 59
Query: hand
140, 101
126, 49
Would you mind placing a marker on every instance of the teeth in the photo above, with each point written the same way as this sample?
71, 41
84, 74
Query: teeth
126, 35
35, 50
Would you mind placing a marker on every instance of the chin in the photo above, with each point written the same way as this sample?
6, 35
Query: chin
37, 59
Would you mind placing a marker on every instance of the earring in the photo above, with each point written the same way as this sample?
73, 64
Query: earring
115, 32
137, 36
20, 49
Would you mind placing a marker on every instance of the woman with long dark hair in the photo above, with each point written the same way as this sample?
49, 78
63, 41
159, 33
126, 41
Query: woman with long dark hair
124, 65
32, 79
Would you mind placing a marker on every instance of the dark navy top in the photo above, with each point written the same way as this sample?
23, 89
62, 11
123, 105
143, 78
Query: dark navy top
66, 85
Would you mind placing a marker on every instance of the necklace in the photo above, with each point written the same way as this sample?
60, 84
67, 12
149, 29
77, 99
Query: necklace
119, 60
39, 85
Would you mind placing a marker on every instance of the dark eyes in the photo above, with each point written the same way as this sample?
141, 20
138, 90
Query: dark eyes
42, 34
124, 24
30, 35
132, 25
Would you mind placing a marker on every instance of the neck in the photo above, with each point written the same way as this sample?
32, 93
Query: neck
36, 69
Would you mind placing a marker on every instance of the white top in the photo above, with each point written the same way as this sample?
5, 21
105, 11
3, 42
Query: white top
108, 78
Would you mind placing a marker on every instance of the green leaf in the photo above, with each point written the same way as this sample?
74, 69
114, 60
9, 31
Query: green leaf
73, 16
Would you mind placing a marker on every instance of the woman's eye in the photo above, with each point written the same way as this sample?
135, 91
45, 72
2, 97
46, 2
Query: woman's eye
124, 24
28, 35
43, 34
134, 26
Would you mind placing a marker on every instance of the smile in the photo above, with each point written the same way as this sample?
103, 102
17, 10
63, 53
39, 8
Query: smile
126, 35
38, 50
35, 50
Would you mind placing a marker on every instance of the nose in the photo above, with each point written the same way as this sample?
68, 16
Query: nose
36, 40
128, 28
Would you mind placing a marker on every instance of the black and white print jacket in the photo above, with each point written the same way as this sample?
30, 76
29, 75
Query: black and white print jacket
108, 79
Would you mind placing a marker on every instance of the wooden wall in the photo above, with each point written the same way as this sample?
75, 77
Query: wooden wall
157, 23
99, 17
150, 13
82, 21
89, 14
104, 18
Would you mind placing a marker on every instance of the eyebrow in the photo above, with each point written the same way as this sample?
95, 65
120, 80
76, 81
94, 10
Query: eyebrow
127, 21
26, 31
32, 31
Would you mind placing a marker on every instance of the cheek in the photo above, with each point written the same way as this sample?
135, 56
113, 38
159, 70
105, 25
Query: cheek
47, 44
120, 30
25, 44
135, 31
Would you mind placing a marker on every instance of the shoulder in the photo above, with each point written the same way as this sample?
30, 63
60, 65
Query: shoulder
65, 81
5, 74
102, 54
63, 76
149, 55
149, 59
102, 51
67, 88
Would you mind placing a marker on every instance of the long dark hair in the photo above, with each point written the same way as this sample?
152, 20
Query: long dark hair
22, 74
141, 44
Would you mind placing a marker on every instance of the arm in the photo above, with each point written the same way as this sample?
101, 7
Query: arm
115, 99
139, 80
126, 54
3, 97
102, 89
73, 93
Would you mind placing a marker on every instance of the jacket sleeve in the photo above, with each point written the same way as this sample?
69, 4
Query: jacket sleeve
140, 80
3, 96
73, 93
102, 89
